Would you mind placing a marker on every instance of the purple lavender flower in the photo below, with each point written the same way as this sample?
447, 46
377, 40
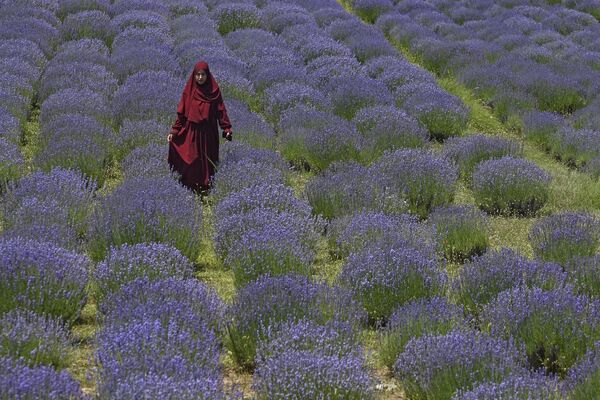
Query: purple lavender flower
31, 28
325, 16
526, 386
468, 151
69, 190
19, 69
73, 6
129, 60
270, 249
355, 232
11, 162
370, 10
19, 381
14, 106
271, 300
148, 94
171, 349
142, 210
541, 126
335, 192
419, 317
139, 19
368, 47
462, 231
150, 260
250, 127
302, 374
443, 114
556, 327
314, 139
282, 96
575, 147
133, 36
245, 173
75, 101
157, 386
238, 151
383, 278
484, 277
24, 49
422, 178
147, 161
230, 230
438, 365
188, 27
348, 95
93, 51
388, 128
92, 24
139, 133
324, 69
582, 379
121, 6
331, 339
319, 44
35, 339
511, 186
232, 16
279, 16
143, 299
276, 197
9, 125
43, 278
592, 167
560, 237
77, 75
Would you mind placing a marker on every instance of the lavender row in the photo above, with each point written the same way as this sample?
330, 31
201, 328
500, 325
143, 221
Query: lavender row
545, 68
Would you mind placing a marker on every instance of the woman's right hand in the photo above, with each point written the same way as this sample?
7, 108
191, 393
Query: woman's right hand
169, 137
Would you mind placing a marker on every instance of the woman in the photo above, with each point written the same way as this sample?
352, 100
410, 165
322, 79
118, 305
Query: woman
194, 137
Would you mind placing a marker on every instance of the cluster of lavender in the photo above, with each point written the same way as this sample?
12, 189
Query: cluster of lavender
519, 386
53, 207
518, 57
147, 209
510, 186
556, 327
417, 318
582, 380
160, 340
436, 366
382, 278
563, 236
302, 339
480, 280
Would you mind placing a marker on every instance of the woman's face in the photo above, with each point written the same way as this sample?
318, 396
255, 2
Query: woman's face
201, 77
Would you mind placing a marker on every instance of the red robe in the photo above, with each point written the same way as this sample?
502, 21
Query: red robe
194, 149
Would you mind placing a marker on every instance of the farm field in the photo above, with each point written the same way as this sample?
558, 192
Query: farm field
409, 208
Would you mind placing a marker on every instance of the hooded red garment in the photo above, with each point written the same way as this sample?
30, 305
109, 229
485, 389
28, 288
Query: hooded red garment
194, 148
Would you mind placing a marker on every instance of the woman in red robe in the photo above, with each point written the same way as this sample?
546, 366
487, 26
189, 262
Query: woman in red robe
194, 137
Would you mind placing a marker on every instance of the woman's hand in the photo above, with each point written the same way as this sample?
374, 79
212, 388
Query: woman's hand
227, 135
169, 137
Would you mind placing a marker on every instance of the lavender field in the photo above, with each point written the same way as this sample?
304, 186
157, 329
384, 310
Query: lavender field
409, 209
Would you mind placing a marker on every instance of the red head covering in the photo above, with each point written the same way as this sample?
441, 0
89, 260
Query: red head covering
196, 99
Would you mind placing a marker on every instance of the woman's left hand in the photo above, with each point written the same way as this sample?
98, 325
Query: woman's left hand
227, 135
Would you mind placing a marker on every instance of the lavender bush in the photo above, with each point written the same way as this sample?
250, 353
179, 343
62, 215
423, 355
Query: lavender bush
556, 327
183, 352
414, 319
19, 381
355, 232
515, 387
382, 279
435, 366
138, 133
387, 128
422, 178
42, 277
75, 101
77, 75
271, 300
335, 193
232, 16
582, 380
462, 231
125, 263
242, 174
35, 339
510, 186
301, 375
91, 24
540, 126
582, 273
466, 152
147, 210
147, 161
484, 277
162, 299
11, 162
568, 234
575, 147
